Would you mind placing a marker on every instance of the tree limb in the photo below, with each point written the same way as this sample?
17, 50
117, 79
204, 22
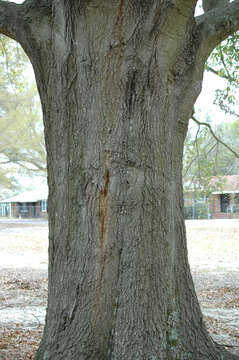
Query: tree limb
9, 14
26, 22
224, 64
221, 75
217, 24
197, 149
22, 161
211, 4
185, 172
199, 123
229, 346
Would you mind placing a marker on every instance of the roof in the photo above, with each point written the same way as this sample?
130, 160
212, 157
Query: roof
226, 184
28, 196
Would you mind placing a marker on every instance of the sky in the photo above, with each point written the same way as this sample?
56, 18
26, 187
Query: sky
204, 105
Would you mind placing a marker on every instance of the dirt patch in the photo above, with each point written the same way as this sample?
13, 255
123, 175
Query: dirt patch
19, 343
23, 298
220, 308
225, 297
214, 258
213, 249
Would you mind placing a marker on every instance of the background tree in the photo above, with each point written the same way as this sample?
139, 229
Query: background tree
207, 150
13, 62
210, 151
118, 81
21, 129
223, 62
210, 157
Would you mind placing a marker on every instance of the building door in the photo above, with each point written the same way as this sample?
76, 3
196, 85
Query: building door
225, 202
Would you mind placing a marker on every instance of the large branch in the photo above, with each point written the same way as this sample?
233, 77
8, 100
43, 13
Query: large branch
217, 24
9, 19
211, 4
22, 163
25, 22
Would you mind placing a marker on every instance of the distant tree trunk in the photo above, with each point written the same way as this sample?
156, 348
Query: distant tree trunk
118, 80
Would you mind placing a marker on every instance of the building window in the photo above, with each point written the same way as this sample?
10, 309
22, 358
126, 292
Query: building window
236, 199
235, 203
5, 209
44, 205
23, 208
225, 203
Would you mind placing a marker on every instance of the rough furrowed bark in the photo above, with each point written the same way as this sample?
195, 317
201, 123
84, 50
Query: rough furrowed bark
118, 83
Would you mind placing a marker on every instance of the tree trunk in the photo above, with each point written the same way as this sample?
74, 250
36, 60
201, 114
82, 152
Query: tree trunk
118, 83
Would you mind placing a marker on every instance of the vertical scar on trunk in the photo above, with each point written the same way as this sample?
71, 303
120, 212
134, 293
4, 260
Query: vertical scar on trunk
119, 23
103, 206
103, 212
116, 47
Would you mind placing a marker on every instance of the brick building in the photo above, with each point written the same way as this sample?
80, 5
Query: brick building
222, 202
30, 204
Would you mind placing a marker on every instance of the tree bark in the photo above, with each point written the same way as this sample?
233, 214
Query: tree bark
118, 82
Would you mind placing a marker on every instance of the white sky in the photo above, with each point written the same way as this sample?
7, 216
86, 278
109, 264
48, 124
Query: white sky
204, 104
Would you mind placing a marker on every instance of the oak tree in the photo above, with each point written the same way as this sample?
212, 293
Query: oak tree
118, 80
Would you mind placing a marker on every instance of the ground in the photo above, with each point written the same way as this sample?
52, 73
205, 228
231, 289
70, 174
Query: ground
213, 247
